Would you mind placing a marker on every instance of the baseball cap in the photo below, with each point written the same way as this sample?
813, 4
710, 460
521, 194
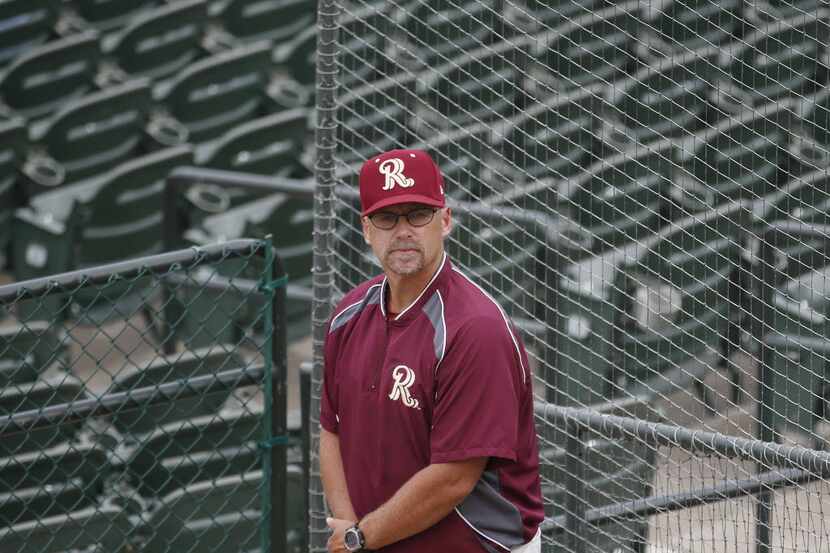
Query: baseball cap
400, 176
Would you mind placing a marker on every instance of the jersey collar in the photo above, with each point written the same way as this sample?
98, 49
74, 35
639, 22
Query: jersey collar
404, 314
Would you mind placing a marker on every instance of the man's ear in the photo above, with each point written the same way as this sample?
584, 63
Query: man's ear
364, 221
446, 222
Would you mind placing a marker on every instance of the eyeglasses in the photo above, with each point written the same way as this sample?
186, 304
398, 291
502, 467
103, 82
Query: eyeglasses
387, 220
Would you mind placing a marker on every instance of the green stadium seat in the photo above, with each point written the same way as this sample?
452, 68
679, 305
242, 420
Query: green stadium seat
12, 150
56, 481
297, 58
223, 515
109, 15
369, 46
109, 218
217, 93
615, 471
677, 302
440, 30
667, 99
595, 47
102, 527
373, 119
621, 199
782, 58
170, 368
809, 144
184, 452
532, 16
230, 314
270, 145
760, 12
740, 157
677, 27
251, 20
28, 396
158, 42
479, 86
27, 351
25, 24
92, 134
43, 79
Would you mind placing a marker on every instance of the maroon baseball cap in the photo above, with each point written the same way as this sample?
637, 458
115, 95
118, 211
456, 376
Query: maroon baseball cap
398, 177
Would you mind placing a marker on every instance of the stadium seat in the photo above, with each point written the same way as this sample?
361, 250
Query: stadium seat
440, 30
616, 206
809, 139
615, 471
109, 218
479, 86
369, 45
102, 527
109, 15
532, 16
677, 303
28, 396
738, 158
25, 24
667, 99
230, 314
760, 12
43, 79
677, 27
12, 150
40, 484
596, 47
552, 141
92, 134
205, 361
251, 20
794, 221
297, 58
28, 350
621, 199
372, 120
223, 515
216, 93
184, 452
782, 58
270, 145
157, 42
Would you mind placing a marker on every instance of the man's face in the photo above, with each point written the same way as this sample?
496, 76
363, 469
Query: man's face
406, 249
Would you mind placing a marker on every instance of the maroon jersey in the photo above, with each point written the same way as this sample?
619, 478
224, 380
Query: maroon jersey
445, 380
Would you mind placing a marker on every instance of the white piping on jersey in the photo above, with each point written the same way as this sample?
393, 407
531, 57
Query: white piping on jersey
358, 302
444, 324
479, 532
401, 314
503, 316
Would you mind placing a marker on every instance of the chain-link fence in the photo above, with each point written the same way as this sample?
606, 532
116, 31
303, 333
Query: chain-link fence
143, 408
643, 186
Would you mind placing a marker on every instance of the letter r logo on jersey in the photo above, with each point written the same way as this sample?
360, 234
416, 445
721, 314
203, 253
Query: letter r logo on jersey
392, 170
404, 379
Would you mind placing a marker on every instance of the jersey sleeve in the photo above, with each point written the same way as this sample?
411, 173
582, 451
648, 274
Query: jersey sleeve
478, 385
328, 393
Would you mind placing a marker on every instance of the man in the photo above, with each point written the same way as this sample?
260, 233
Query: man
427, 441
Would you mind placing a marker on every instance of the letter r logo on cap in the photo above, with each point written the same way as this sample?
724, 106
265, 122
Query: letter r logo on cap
392, 170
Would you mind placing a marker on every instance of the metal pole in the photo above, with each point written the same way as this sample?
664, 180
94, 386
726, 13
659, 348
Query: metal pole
279, 427
575, 489
324, 221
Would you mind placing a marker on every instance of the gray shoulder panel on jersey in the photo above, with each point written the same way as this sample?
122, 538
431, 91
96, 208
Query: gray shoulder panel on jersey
372, 296
434, 310
491, 515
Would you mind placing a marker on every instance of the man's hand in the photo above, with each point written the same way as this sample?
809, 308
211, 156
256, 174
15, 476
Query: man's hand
338, 528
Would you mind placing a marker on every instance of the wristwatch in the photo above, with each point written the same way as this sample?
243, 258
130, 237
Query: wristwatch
353, 539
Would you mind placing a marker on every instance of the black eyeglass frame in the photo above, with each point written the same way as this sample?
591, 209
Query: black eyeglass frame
407, 215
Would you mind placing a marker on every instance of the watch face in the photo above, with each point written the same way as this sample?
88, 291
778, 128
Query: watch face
351, 539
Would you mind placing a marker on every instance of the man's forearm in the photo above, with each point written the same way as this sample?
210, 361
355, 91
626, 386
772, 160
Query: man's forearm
334, 478
430, 495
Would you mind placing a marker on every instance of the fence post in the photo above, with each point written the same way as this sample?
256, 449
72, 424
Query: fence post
575, 487
762, 320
